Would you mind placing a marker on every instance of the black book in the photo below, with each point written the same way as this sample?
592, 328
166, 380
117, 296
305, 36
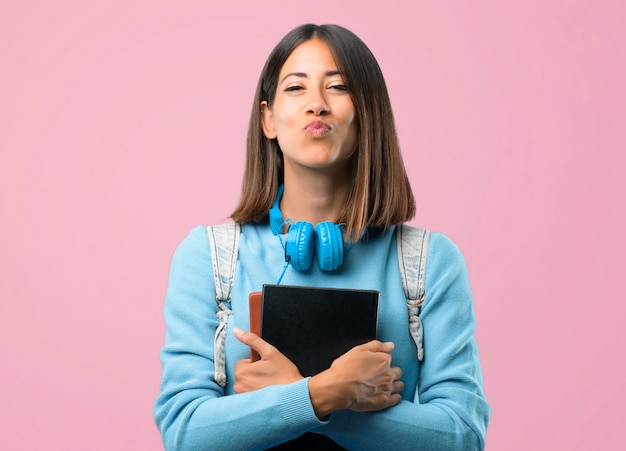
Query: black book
313, 326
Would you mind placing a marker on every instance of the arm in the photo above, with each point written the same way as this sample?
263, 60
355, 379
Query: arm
451, 412
191, 410
362, 379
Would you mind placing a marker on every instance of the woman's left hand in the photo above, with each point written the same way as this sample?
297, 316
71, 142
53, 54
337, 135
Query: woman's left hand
273, 368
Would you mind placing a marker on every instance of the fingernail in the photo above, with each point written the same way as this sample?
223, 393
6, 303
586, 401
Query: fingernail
237, 332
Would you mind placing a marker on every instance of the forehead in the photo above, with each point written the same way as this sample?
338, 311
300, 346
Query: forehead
310, 57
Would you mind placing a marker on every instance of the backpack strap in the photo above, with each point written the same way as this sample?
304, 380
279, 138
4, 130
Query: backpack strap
412, 252
224, 245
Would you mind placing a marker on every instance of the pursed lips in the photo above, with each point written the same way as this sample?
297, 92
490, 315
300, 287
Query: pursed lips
317, 128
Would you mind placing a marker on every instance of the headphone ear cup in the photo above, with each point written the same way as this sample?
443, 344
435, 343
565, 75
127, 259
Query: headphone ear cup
329, 246
300, 245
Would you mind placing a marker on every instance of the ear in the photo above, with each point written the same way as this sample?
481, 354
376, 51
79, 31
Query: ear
267, 120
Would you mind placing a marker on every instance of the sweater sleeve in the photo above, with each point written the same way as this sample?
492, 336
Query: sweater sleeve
451, 411
191, 410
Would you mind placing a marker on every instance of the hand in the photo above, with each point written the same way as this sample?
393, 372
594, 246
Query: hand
273, 368
361, 380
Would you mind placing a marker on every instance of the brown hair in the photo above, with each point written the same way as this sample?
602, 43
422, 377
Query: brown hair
380, 195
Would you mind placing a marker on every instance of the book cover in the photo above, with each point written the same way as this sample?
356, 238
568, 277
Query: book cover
313, 326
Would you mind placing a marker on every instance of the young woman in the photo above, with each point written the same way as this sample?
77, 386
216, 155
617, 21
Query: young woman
322, 147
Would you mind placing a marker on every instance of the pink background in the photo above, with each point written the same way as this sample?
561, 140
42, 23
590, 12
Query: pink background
122, 125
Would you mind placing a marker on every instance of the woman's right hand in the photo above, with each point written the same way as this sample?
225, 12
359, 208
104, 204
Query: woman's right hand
361, 380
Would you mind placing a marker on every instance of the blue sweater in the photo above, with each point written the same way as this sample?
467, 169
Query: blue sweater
446, 411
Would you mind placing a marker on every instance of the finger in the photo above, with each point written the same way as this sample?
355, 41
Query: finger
378, 346
397, 387
394, 399
245, 337
397, 372
254, 341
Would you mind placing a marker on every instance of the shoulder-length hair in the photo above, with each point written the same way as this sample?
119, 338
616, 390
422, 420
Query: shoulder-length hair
380, 195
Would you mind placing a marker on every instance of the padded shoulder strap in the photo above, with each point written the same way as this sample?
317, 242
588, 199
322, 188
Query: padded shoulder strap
412, 252
224, 245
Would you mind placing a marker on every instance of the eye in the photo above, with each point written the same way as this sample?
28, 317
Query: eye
339, 87
293, 88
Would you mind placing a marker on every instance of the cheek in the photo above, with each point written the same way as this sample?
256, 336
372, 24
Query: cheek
350, 119
284, 123
284, 132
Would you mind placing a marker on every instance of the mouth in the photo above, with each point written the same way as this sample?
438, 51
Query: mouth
317, 129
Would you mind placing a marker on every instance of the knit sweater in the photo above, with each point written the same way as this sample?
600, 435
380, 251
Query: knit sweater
443, 405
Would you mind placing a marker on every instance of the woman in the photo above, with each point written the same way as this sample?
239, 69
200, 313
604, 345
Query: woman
322, 146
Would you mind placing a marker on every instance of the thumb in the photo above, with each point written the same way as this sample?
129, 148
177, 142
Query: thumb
253, 340
378, 346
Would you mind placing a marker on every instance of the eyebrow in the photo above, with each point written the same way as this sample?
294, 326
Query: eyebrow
330, 73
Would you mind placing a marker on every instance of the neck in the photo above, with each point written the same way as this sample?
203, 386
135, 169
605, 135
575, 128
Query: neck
315, 200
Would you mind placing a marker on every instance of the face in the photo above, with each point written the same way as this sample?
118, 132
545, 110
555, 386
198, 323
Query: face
312, 116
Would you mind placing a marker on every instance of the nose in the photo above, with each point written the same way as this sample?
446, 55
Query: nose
317, 103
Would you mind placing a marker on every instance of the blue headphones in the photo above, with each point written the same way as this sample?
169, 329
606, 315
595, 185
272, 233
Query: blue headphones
303, 239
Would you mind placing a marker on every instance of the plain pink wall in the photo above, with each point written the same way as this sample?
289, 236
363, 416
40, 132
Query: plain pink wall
122, 125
